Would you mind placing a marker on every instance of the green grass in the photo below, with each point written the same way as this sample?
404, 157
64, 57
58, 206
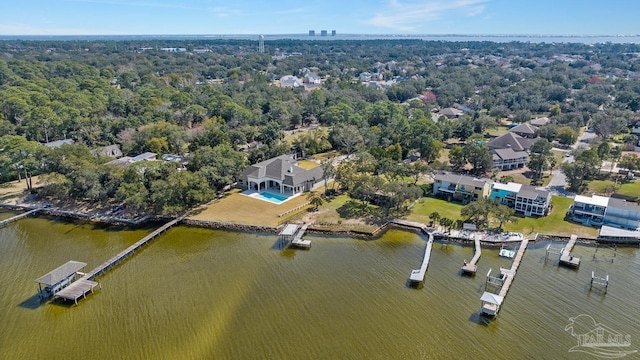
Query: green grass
497, 131
604, 187
306, 164
426, 205
629, 189
329, 217
554, 223
236, 208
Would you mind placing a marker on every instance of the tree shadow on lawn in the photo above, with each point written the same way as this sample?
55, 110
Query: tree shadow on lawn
369, 214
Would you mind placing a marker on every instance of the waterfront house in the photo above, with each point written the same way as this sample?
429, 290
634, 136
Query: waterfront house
589, 210
531, 201
623, 214
281, 174
505, 194
462, 188
524, 199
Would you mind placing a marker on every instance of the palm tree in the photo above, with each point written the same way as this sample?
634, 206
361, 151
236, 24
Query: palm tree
315, 200
434, 216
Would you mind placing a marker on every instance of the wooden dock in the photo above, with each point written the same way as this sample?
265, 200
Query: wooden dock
77, 289
102, 268
565, 256
8, 221
298, 241
417, 276
471, 267
492, 308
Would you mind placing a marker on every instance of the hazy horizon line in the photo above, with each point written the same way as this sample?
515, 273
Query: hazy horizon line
337, 35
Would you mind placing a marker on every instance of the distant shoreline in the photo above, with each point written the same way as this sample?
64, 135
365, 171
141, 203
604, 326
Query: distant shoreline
571, 38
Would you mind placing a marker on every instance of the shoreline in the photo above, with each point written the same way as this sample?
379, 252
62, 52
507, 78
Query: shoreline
357, 234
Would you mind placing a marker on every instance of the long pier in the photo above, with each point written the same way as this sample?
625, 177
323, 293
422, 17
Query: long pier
565, 255
417, 276
102, 268
491, 302
8, 221
471, 267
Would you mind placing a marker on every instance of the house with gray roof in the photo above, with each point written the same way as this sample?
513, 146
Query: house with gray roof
281, 174
525, 130
513, 141
542, 121
508, 159
531, 201
451, 113
460, 187
58, 143
290, 81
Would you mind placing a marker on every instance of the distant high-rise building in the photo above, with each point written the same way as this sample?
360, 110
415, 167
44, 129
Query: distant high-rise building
312, 33
323, 32
333, 33
261, 44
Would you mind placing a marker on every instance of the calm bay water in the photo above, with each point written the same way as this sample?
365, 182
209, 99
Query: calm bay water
205, 294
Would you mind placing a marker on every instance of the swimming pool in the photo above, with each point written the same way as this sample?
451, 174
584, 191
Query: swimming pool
270, 197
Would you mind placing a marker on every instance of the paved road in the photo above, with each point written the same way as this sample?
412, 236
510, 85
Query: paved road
558, 183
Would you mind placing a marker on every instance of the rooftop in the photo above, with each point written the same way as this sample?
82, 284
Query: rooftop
511, 187
596, 200
60, 273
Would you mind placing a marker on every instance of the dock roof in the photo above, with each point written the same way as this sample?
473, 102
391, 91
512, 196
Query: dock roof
491, 298
289, 230
60, 273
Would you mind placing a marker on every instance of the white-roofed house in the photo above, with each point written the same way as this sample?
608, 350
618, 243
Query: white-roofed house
589, 210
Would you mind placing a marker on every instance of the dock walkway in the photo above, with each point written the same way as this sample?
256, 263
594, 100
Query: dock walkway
417, 276
8, 221
565, 255
298, 241
491, 302
471, 267
102, 268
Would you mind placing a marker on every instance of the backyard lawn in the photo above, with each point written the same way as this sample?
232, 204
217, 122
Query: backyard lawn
605, 187
553, 223
236, 208
426, 205
328, 216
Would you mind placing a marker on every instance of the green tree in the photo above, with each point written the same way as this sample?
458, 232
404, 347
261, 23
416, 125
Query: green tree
567, 136
434, 217
457, 157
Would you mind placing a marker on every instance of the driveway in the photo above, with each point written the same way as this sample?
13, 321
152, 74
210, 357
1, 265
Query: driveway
558, 183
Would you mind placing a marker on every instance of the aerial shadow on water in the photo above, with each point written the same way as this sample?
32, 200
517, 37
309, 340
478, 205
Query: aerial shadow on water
480, 320
33, 302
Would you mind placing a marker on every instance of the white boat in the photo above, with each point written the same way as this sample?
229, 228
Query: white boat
507, 253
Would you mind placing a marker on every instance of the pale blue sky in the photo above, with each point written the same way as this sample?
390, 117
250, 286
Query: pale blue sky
201, 17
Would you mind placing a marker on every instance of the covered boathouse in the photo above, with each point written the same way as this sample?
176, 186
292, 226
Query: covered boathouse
60, 282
